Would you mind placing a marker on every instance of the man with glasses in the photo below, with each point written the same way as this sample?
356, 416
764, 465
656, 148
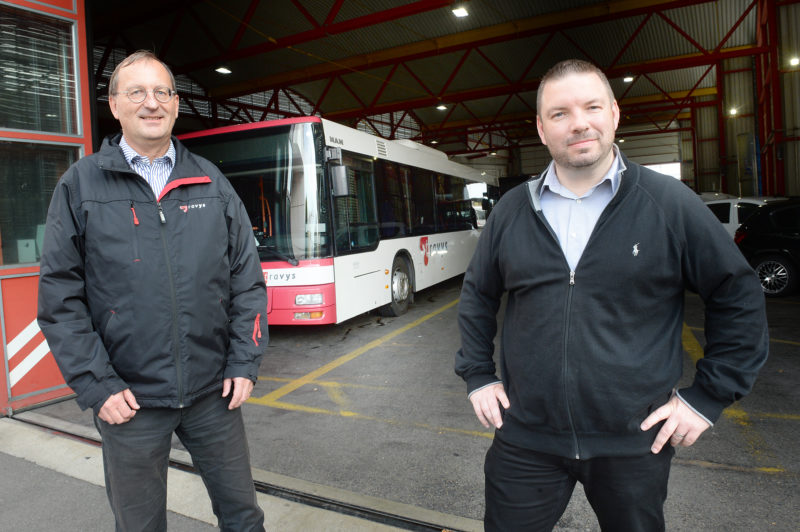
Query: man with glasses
153, 302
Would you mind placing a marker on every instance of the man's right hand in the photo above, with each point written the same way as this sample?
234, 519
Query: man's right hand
485, 401
119, 408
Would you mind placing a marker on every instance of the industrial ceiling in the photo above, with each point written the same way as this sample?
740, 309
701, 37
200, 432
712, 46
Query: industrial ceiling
413, 69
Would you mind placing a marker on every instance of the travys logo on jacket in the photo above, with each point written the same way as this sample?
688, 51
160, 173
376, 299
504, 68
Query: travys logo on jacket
185, 208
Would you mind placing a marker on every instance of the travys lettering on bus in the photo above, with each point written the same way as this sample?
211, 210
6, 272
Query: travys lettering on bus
430, 249
302, 276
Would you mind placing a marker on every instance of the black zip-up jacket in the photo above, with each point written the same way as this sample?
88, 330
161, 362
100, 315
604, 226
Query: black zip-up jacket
587, 354
165, 296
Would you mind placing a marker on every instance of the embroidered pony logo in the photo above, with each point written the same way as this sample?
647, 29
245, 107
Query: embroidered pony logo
636, 249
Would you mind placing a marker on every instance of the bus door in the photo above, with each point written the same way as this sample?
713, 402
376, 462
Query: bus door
359, 269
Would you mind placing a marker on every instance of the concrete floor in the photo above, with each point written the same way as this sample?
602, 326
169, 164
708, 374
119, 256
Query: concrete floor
372, 407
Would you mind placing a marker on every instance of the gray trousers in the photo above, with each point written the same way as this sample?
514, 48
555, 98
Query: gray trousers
136, 455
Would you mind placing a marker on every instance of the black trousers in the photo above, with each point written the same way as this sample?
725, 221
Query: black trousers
136, 458
529, 491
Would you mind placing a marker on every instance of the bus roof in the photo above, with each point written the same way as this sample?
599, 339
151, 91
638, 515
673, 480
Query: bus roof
338, 136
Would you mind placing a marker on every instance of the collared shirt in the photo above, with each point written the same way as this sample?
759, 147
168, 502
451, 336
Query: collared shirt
155, 173
573, 218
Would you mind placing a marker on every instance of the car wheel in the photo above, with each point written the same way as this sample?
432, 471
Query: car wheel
401, 289
777, 275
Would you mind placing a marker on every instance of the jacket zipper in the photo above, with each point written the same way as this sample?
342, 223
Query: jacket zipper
174, 310
566, 363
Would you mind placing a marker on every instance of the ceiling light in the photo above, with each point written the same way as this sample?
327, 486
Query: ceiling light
461, 12
493, 153
794, 61
628, 78
733, 111
434, 142
442, 107
223, 70
621, 141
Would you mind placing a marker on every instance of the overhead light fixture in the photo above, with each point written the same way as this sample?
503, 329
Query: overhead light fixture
628, 78
461, 12
434, 142
733, 111
223, 70
621, 141
493, 153
442, 107
794, 61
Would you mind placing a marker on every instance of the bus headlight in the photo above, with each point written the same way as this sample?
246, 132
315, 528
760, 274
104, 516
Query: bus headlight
308, 299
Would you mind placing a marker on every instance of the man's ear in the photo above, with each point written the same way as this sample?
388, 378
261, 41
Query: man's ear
112, 104
539, 129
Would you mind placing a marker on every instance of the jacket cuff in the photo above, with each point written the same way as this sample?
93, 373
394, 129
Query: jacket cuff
696, 398
97, 396
248, 371
476, 382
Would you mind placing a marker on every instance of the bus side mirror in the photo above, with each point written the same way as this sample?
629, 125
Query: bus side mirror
339, 180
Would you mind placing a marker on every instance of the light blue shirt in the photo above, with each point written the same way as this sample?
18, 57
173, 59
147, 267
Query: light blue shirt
155, 173
573, 218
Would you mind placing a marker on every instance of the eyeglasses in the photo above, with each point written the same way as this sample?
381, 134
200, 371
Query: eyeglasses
138, 95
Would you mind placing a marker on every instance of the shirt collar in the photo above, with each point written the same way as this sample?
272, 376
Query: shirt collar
613, 176
131, 154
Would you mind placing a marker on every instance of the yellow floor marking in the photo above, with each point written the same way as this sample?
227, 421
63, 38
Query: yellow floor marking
306, 379
691, 345
730, 467
355, 415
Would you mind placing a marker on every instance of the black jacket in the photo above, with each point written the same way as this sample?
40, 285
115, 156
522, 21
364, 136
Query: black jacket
588, 354
165, 296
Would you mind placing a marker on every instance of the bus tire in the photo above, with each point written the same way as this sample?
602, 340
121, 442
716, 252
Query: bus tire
400, 284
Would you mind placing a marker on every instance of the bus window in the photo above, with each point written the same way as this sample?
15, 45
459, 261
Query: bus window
453, 208
391, 191
355, 216
421, 200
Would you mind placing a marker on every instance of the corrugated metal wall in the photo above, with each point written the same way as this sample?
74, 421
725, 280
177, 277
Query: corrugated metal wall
789, 20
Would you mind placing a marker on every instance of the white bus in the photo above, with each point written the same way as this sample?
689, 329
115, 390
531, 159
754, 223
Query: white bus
345, 222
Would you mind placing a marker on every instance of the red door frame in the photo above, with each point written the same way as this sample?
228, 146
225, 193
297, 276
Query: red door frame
29, 375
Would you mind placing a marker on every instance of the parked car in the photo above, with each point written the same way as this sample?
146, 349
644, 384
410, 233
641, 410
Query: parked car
770, 241
732, 211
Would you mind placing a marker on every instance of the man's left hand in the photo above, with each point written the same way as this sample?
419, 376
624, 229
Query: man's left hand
682, 426
242, 387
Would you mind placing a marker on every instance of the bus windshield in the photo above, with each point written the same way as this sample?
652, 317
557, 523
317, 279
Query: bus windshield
278, 173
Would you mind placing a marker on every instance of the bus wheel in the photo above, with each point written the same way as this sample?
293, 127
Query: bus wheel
401, 289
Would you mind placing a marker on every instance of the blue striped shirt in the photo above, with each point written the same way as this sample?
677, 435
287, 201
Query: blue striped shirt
157, 173
573, 218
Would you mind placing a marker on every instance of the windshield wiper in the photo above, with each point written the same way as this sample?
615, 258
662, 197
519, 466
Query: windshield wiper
274, 251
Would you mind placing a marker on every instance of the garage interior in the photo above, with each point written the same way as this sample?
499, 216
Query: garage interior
368, 413
707, 84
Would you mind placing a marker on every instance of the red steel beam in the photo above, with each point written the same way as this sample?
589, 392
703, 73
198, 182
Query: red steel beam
533, 84
387, 15
540, 25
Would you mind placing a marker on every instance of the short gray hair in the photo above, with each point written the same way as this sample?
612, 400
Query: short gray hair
565, 68
141, 55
